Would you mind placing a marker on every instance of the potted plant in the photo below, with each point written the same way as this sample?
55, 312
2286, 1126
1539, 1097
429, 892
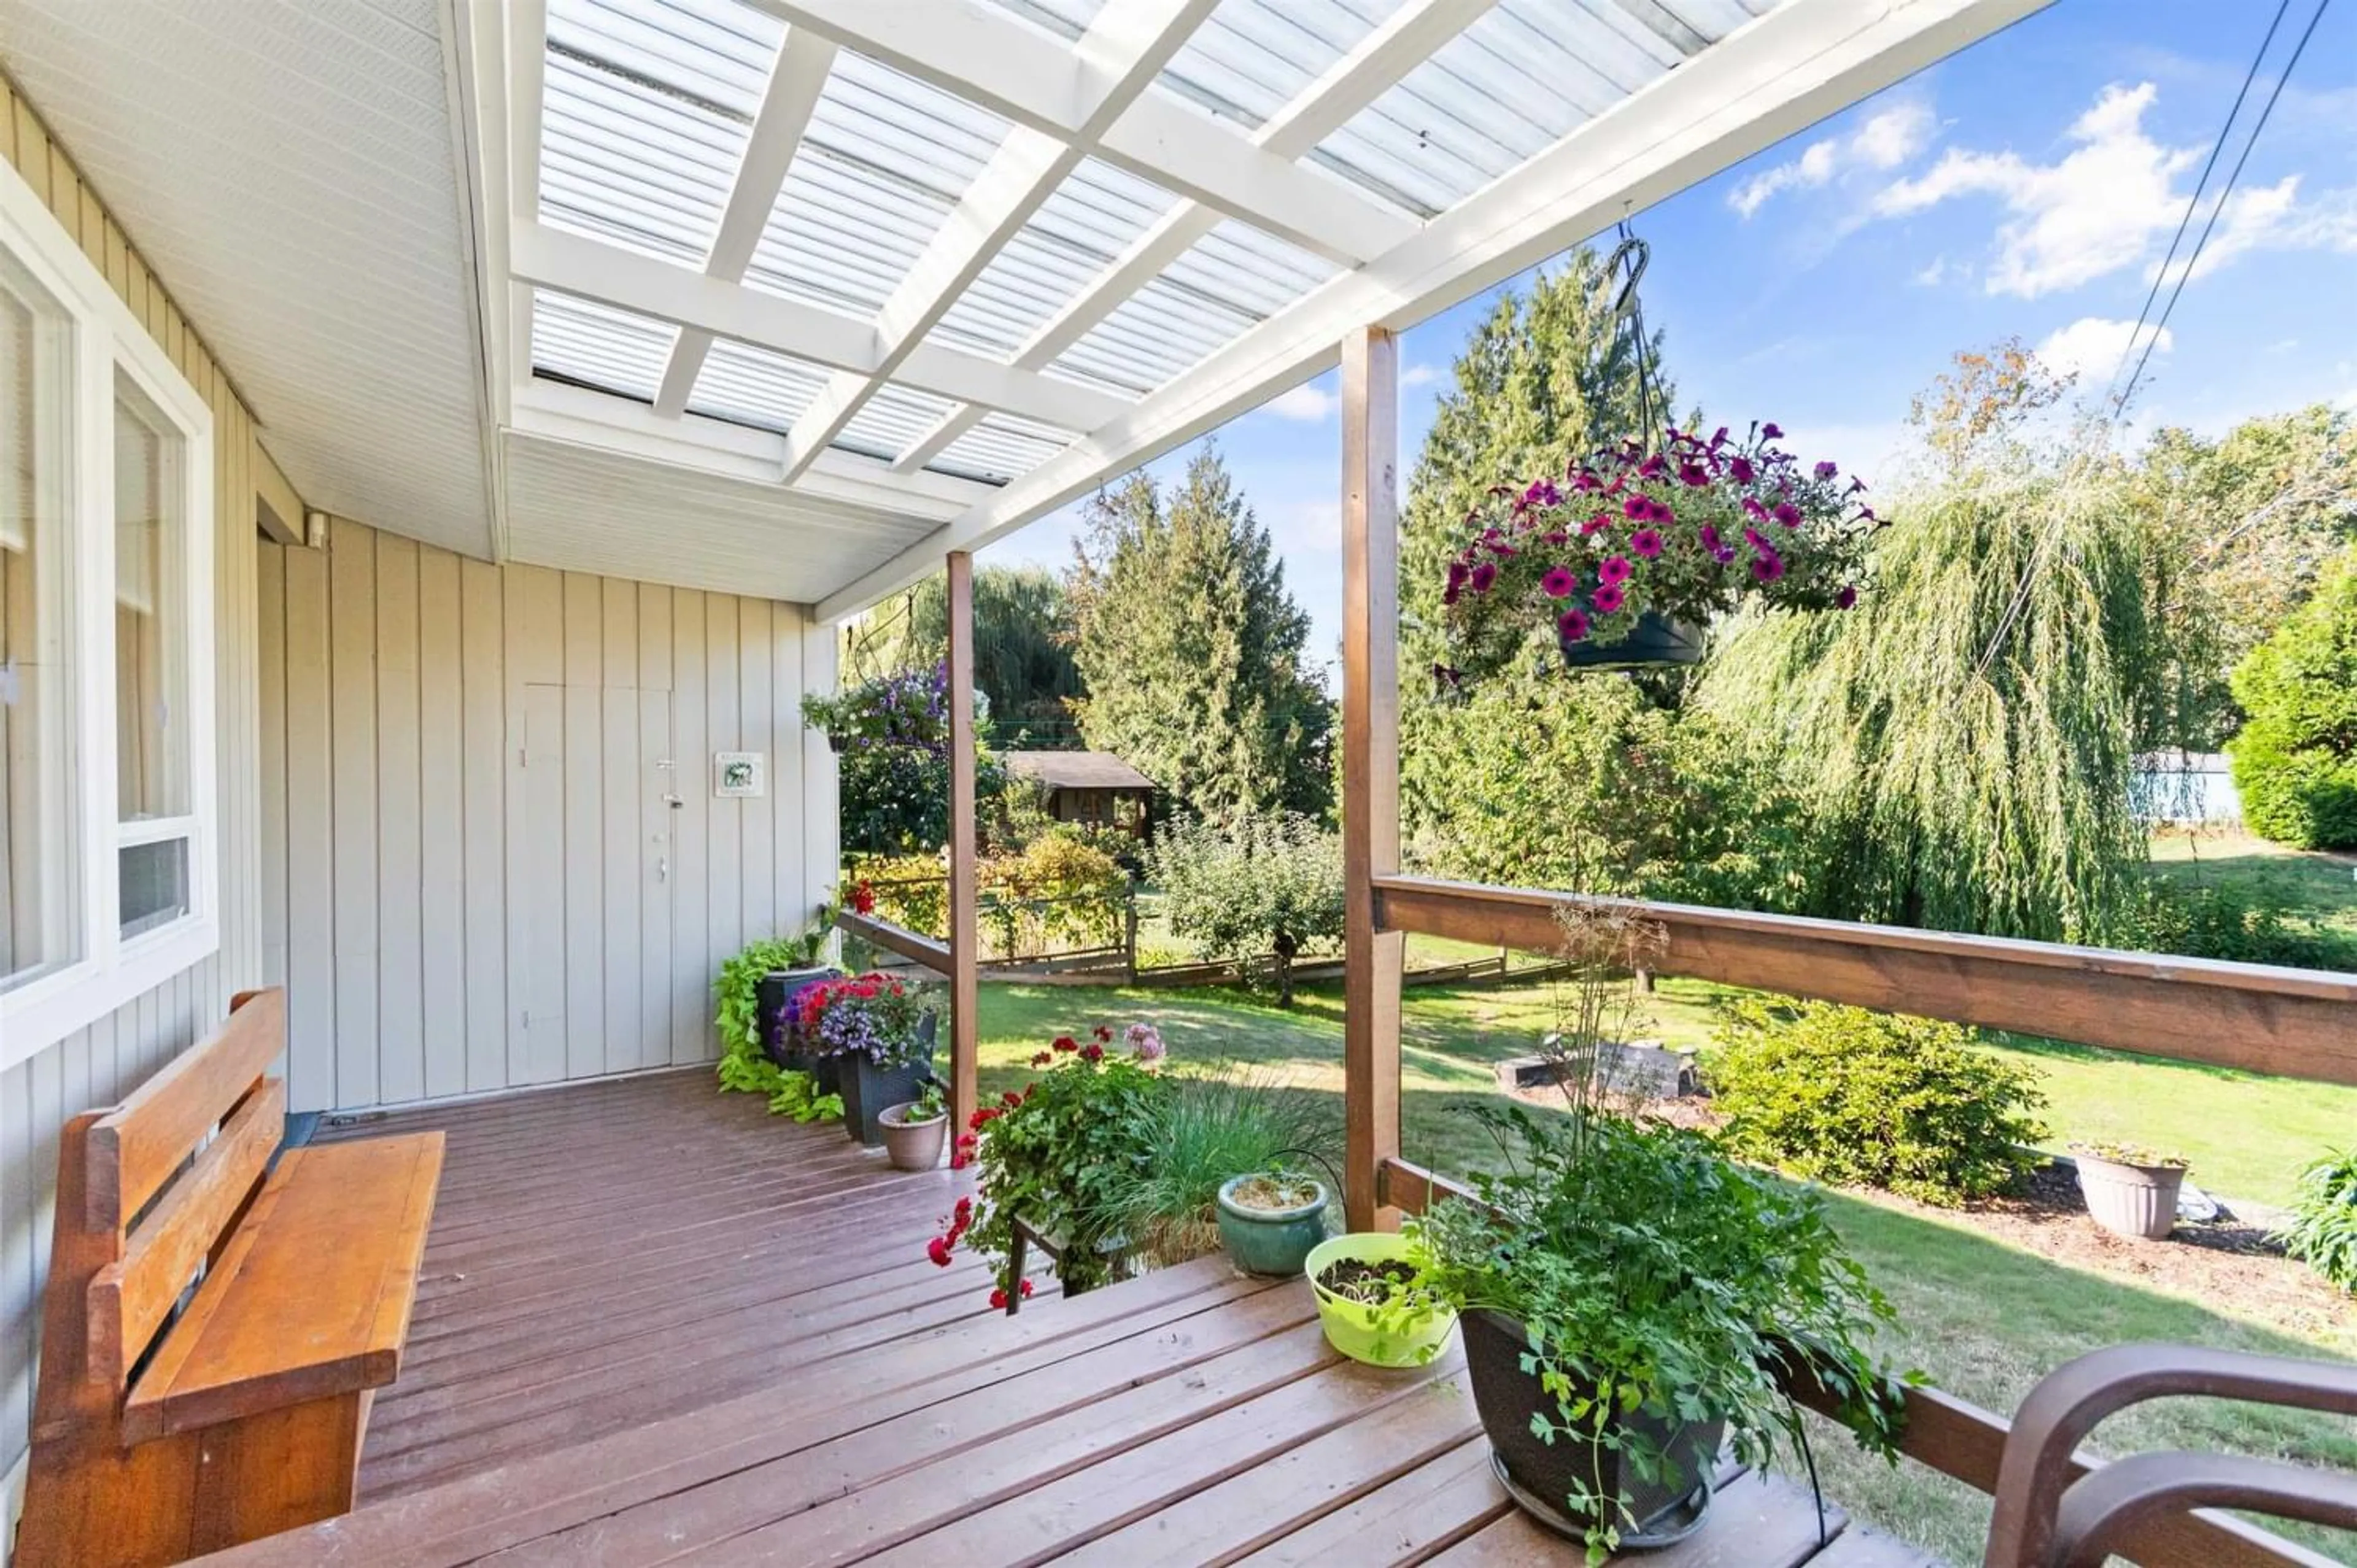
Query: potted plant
907, 709
1356, 1278
2131, 1191
1627, 557
877, 1030
1270, 1220
916, 1132
1631, 1301
749, 992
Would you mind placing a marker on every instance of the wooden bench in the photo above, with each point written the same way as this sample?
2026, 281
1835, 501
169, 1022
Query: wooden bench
169, 1422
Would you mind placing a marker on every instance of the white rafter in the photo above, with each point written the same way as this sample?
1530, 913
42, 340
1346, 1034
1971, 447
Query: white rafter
629, 280
1404, 40
1026, 76
527, 52
1783, 72
795, 82
1123, 49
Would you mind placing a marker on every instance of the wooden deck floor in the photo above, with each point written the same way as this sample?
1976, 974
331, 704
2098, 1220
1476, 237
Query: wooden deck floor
655, 1330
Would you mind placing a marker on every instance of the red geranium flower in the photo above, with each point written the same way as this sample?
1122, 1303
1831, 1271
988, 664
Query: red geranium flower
1010, 1098
863, 900
1042, 1060
938, 1249
998, 1301
1066, 1043
1094, 1053
1104, 1036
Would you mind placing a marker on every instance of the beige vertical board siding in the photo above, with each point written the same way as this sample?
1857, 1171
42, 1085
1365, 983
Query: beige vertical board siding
628, 879
99, 1064
307, 828
351, 636
691, 1037
789, 862
538, 898
756, 704
657, 829
401, 937
441, 817
484, 754
584, 828
724, 861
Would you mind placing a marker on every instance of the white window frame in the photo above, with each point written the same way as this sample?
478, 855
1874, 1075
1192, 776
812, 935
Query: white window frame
110, 971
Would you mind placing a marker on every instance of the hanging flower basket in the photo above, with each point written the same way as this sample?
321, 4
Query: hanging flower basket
907, 710
1632, 552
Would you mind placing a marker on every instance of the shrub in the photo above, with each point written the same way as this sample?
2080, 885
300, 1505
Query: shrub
1268, 885
2212, 920
1841, 1095
2323, 1229
1207, 1129
2296, 760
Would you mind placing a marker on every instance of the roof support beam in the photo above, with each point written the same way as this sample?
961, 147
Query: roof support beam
1127, 47
795, 82
527, 60
629, 280
1407, 38
1792, 68
1028, 77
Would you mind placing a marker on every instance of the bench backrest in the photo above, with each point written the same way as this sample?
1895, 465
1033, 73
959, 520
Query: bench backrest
152, 1214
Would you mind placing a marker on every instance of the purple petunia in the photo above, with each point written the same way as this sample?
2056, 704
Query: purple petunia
1788, 514
1543, 493
1485, 576
1637, 509
1645, 541
1607, 599
1558, 583
1828, 470
1757, 540
1613, 569
1693, 475
1571, 626
1596, 524
1740, 470
1768, 567
1846, 599
1771, 433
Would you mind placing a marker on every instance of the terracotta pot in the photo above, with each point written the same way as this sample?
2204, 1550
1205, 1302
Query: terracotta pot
2135, 1201
1540, 1476
913, 1146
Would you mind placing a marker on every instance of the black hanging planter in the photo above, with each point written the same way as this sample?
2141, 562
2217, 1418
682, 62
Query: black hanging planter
1655, 642
1541, 1477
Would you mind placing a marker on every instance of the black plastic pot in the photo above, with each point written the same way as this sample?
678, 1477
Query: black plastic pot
1541, 1477
1654, 640
780, 1039
870, 1090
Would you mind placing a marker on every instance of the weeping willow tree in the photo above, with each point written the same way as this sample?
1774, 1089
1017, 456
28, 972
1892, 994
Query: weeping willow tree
1964, 739
1022, 649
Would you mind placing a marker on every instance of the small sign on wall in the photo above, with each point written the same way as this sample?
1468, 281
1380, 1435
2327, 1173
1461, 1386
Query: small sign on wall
739, 775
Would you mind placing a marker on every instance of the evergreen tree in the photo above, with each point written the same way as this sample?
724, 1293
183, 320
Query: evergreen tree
1022, 649
2296, 761
1191, 648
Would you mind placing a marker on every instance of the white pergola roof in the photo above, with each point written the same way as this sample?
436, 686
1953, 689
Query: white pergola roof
960, 261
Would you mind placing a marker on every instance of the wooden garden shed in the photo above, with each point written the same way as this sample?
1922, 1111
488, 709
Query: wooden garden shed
1095, 787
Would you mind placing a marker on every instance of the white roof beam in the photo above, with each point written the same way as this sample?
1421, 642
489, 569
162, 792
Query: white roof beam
1787, 71
795, 82
1404, 40
1017, 71
629, 280
527, 65
1125, 48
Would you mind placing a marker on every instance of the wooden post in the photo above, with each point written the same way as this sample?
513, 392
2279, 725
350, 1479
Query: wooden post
1372, 961
965, 986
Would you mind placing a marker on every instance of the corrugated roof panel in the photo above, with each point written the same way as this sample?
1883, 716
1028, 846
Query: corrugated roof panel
647, 105
1077, 233
1521, 77
889, 421
883, 161
1001, 447
754, 386
1229, 282
1254, 57
1065, 18
581, 340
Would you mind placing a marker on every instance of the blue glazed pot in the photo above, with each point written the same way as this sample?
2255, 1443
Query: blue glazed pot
1271, 1240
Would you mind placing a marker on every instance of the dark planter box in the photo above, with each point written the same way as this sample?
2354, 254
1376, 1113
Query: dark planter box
1654, 640
1542, 1476
870, 1090
781, 1041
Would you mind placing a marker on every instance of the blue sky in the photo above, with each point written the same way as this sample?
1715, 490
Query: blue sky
2027, 188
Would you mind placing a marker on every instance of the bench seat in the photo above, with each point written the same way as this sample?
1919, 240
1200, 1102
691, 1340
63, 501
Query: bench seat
311, 1298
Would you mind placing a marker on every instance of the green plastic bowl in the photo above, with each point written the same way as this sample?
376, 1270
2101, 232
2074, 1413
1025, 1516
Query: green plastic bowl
1350, 1326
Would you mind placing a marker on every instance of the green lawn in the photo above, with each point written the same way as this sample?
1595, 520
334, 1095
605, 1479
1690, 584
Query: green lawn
2321, 887
1982, 1318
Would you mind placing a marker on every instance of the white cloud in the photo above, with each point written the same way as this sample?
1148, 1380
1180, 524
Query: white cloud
1939, 272
2092, 347
1307, 402
1882, 142
2111, 202
1420, 376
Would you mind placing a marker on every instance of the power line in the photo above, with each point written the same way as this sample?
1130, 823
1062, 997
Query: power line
2265, 110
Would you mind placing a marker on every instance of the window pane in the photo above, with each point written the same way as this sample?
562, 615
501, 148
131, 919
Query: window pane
150, 607
39, 904
154, 884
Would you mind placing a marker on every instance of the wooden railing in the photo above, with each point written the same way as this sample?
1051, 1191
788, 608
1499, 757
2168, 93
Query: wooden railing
914, 946
2293, 1022
1960, 1439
